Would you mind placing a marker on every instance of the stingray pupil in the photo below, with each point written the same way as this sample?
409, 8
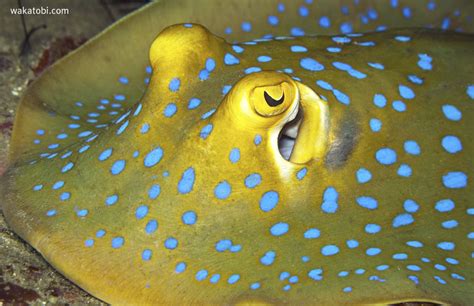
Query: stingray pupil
272, 102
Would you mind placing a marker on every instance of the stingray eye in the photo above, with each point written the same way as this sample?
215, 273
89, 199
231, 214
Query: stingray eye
272, 100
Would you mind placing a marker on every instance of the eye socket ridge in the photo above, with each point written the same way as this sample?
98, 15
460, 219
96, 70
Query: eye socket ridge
271, 101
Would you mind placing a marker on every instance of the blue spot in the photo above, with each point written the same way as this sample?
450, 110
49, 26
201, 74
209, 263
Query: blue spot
312, 233
293, 280
174, 84
301, 173
117, 167
452, 112
252, 70
119, 97
255, 286
226, 89
117, 242
215, 278
406, 12
51, 212
413, 268
204, 75
440, 280
237, 49
373, 251
206, 131
153, 157
414, 279
470, 91
295, 31
377, 66
151, 226
67, 167
406, 92
324, 22
449, 224
341, 97
412, 147
400, 256
170, 110
330, 197
297, 49
230, 59
268, 258
415, 244
411, 206
386, 156
223, 245
404, 170
311, 64
333, 49
367, 202
279, 229
234, 155
100, 233
455, 180
315, 274
269, 201
380, 100
222, 190
399, 106
154, 191
363, 175
111, 200
329, 250
415, 79
324, 85
446, 246
146, 254
64, 196
303, 11
402, 220
56, 186
257, 140
402, 38
253, 180
445, 205
189, 217
273, 20
375, 125
180, 267
341, 39
171, 243
145, 128
346, 27
347, 289
372, 228
208, 114
186, 182
451, 144
424, 62
201, 275
233, 279
352, 244
194, 103
264, 58
246, 26
89, 243
210, 64
141, 212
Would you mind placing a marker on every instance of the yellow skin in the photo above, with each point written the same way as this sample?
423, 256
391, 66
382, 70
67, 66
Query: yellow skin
333, 142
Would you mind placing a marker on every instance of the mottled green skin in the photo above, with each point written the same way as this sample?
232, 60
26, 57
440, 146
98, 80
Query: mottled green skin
121, 276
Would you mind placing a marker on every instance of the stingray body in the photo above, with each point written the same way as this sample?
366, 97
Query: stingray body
288, 169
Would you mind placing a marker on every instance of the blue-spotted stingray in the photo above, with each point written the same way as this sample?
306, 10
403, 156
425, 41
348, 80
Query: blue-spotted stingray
256, 152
